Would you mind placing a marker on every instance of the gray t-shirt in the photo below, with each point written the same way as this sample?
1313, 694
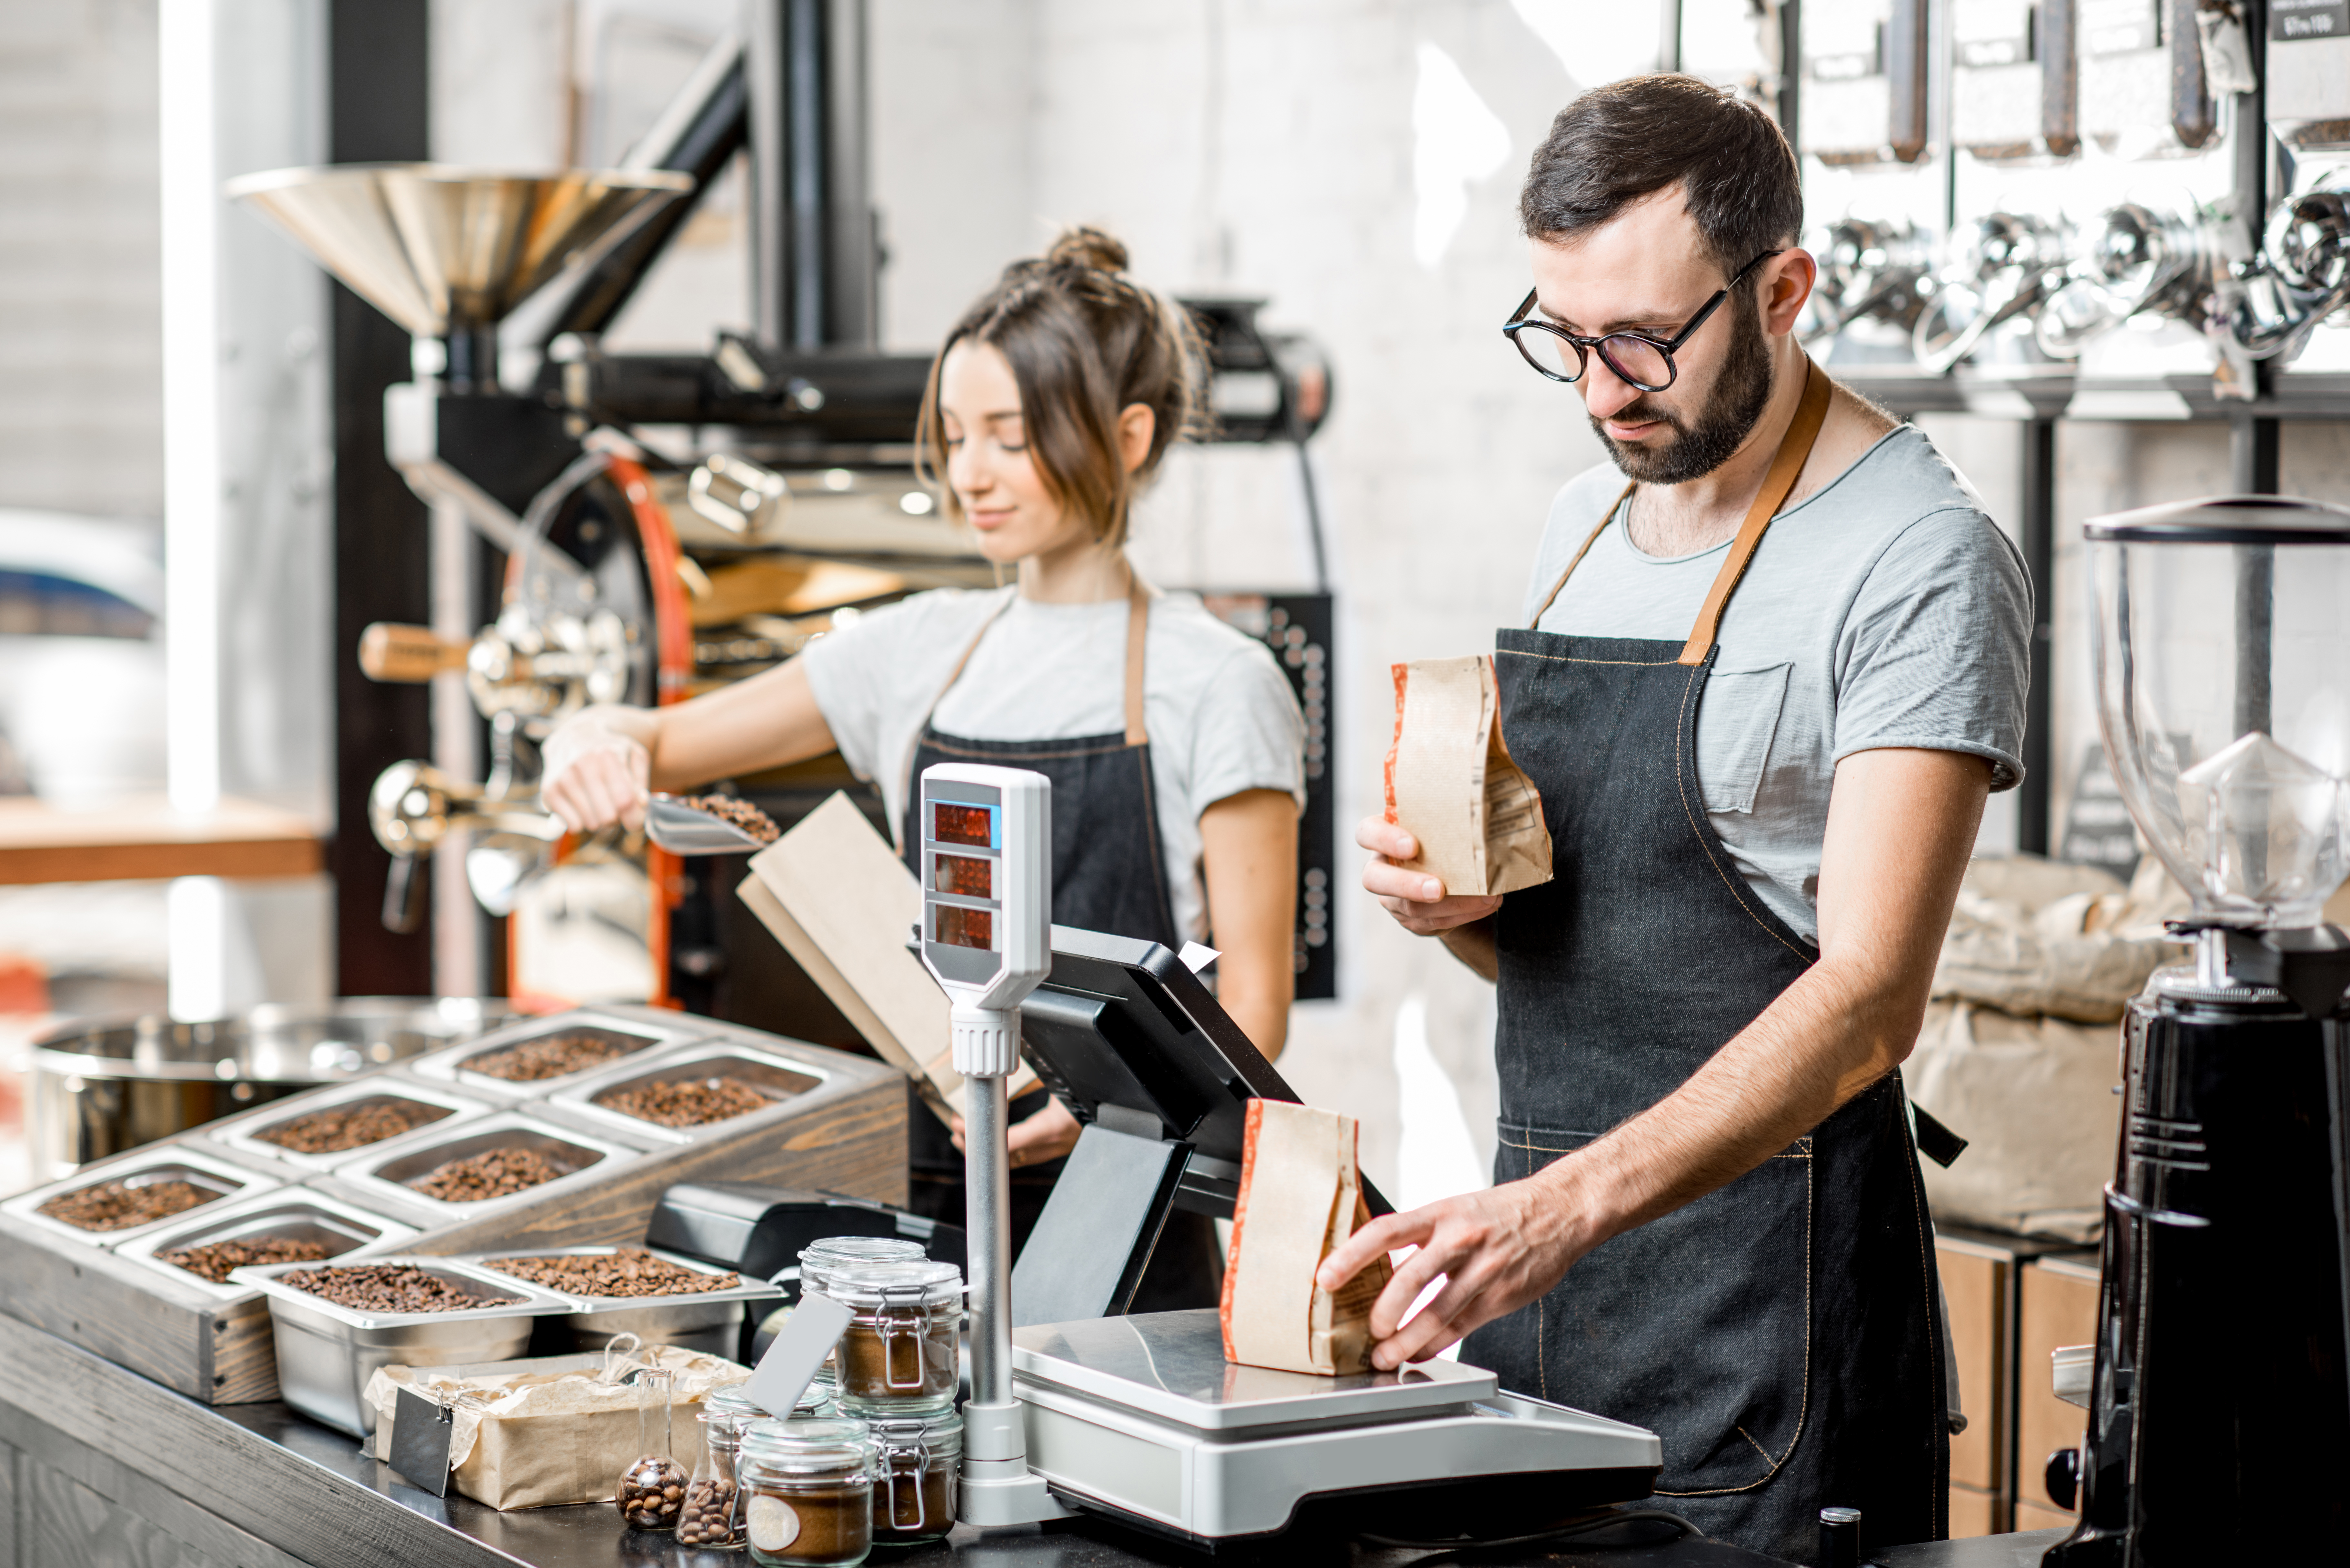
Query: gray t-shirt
1884, 610
1221, 715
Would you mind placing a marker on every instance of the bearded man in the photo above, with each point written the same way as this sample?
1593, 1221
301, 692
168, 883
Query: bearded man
1775, 657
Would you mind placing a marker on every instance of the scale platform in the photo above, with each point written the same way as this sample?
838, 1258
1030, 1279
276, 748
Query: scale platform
1141, 1418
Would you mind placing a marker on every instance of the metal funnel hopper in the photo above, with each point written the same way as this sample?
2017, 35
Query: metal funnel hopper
446, 251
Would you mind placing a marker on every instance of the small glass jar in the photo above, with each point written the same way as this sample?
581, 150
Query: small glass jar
651, 1491
898, 1355
818, 1260
918, 1473
712, 1516
807, 1493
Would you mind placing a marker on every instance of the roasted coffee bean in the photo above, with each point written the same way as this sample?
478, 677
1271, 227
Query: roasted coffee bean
708, 1519
552, 1057
391, 1287
628, 1271
118, 1205
686, 1102
214, 1260
651, 1493
496, 1174
339, 1127
741, 813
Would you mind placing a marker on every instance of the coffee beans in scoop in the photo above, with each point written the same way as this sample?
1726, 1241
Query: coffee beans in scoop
214, 1260
626, 1272
118, 1205
496, 1174
686, 1102
390, 1287
339, 1127
550, 1056
742, 814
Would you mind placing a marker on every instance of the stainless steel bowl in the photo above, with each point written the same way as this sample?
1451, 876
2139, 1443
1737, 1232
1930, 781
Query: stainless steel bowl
106, 1085
327, 1353
709, 1322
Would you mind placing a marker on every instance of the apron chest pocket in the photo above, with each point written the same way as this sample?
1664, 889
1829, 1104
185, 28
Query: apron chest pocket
1737, 719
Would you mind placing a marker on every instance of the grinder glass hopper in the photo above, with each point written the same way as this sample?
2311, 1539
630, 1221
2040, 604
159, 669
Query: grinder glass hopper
2222, 665
449, 251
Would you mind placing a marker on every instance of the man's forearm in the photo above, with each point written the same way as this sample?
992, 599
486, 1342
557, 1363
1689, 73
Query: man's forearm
1827, 1038
1474, 945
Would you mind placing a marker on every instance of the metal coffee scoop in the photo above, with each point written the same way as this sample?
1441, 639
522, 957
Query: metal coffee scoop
682, 829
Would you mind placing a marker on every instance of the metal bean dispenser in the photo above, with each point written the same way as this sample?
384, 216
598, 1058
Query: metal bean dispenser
2222, 669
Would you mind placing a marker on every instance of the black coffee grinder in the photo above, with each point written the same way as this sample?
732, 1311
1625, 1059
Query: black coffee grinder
2219, 1426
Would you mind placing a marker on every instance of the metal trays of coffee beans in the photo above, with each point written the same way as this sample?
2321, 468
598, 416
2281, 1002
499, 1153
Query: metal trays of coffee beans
327, 1352
707, 1321
390, 1170
425, 1106
603, 1038
775, 1077
146, 1174
341, 1233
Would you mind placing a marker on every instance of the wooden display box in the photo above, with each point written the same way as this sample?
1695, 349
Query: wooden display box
2059, 1308
1991, 1470
846, 1136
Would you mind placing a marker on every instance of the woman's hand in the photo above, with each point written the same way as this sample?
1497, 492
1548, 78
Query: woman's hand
1415, 899
595, 775
1048, 1134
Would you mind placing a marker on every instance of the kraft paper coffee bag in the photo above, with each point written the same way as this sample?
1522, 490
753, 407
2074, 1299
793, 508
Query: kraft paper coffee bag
1300, 1196
1451, 785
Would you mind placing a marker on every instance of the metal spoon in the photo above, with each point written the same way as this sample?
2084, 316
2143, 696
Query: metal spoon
682, 829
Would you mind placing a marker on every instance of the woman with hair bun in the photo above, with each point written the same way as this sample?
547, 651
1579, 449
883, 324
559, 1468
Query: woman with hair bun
1174, 745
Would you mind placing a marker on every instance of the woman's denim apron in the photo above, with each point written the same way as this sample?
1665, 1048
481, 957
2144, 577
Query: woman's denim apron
1777, 1333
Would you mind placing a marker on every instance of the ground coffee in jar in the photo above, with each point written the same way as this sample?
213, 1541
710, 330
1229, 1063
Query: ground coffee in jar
807, 1493
917, 1468
898, 1355
818, 1260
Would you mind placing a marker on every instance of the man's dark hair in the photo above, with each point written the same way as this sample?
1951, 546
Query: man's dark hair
1618, 143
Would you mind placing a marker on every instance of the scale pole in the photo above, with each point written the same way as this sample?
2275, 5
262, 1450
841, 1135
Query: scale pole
987, 1183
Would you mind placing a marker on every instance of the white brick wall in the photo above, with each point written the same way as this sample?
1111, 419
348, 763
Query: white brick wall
81, 405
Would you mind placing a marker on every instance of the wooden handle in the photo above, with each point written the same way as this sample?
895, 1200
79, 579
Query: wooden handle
408, 655
1906, 39
2193, 118
2060, 76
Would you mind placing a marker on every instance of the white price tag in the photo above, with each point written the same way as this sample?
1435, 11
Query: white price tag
799, 1348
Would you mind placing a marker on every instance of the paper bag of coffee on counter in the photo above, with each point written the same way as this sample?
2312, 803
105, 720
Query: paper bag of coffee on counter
1451, 785
549, 1432
1301, 1196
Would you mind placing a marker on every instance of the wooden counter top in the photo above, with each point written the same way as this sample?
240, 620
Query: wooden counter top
142, 838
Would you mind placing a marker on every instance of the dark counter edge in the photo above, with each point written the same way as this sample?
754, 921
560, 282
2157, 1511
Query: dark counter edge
111, 1466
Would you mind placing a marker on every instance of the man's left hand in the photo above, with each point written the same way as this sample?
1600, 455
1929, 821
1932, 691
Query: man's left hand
1500, 1249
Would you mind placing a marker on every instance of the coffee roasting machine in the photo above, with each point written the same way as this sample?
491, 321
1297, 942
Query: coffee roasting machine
659, 524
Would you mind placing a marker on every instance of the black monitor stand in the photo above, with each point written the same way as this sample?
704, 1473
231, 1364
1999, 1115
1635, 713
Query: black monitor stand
1161, 1078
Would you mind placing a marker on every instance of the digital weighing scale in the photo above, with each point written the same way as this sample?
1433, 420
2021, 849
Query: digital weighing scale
1140, 1417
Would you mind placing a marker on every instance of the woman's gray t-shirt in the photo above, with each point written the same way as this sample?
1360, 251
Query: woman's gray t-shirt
1885, 610
1220, 712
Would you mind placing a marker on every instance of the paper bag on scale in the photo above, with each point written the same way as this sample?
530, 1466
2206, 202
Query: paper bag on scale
1299, 1196
1451, 785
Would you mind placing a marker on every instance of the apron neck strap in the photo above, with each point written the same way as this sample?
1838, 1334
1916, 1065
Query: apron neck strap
1138, 624
1777, 485
1795, 448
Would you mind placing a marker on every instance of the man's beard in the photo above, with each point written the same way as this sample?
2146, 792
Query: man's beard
1704, 444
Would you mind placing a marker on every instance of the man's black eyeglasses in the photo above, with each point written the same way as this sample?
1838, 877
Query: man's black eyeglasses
1643, 361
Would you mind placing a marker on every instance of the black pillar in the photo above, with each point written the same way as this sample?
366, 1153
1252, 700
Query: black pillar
2039, 531
378, 91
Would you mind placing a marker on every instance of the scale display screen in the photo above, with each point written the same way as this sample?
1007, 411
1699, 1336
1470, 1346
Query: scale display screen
972, 825
964, 875
957, 927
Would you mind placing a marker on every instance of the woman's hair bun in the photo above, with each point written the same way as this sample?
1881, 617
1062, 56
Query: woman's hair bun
1086, 245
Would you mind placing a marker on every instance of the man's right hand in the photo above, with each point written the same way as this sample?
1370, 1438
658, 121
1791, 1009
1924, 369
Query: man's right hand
1415, 899
595, 775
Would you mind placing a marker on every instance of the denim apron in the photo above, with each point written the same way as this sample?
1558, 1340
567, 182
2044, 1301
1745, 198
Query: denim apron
1109, 875
1777, 1334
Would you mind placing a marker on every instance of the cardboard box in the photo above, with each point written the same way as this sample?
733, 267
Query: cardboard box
2059, 1308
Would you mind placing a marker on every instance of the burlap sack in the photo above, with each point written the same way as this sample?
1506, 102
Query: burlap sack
2031, 937
548, 1432
2034, 1098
